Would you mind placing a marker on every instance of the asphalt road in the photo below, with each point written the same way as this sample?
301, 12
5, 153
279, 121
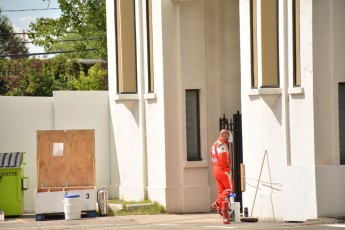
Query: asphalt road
164, 222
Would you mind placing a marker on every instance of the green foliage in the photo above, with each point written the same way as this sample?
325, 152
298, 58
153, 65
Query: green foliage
93, 80
153, 209
37, 77
85, 19
118, 201
11, 43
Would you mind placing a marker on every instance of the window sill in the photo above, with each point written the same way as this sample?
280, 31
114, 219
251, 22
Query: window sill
195, 164
150, 96
265, 91
269, 95
126, 97
270, 91
296, 90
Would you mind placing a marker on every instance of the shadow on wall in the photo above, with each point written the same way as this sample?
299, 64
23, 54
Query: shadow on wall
115, 170
133, 107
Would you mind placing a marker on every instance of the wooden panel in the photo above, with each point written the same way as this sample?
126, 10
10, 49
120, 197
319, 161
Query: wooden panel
76, 167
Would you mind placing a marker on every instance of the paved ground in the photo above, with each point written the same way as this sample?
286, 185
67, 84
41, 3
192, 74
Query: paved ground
163, 221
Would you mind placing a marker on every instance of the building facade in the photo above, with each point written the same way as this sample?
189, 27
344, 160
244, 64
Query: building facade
185, 73
176, 66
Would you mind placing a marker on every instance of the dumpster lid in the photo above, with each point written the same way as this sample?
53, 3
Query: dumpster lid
11, 160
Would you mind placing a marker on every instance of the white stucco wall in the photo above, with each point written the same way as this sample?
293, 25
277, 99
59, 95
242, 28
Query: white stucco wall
19, 121
338, 68
202, 53
299, 203
154, 105
302, 137
324, 83
139, 148
222, 69
196, 192
172, 101
209, 63
263, 128
87, 110
330, 188
328, 34
23, 116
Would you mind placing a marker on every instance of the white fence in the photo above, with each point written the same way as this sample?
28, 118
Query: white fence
21, 117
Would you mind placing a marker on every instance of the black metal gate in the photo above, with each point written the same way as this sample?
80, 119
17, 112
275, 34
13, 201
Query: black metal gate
235, 126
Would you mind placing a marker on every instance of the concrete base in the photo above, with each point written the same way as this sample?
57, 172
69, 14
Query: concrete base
53, 202
311, 192
299, 193
131, 193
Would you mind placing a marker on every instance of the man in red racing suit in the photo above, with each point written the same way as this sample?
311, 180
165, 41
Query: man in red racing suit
220, 154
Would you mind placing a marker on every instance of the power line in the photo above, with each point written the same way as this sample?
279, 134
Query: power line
23, 33
48, 3
45, 53
21, 10
64, 40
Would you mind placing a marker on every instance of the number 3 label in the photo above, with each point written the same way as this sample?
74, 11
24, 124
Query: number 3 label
87, 195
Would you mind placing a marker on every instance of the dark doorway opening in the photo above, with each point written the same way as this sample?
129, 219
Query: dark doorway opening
235, 126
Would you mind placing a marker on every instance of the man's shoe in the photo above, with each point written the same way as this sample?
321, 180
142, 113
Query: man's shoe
215, 207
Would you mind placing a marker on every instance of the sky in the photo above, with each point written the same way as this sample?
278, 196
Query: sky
21, 19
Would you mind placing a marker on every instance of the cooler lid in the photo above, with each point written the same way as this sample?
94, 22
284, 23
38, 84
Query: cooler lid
72, 196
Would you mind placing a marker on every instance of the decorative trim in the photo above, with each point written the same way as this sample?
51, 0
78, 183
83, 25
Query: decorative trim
150, 96
124, 97
265, 91
296, 90
253, 92
195, 164
270, 91
269, 95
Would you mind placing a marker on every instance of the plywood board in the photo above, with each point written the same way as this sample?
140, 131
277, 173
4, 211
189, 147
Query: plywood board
65, 158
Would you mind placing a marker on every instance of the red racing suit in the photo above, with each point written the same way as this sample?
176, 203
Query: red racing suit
220, 154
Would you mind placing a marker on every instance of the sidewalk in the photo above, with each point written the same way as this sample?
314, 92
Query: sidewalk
161, 221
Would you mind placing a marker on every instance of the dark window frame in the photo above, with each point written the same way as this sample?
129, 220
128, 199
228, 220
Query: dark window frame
253, 84
294, 45
198, 157
117, 52
149, 28
341, 122
278, 60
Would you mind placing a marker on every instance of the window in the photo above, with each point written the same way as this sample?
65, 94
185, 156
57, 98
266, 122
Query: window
193, 125
126, 46
296, 43
265, 52
341, 102
269, 43
150, 46
254, 46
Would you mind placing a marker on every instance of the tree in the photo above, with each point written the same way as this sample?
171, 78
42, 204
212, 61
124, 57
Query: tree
10, 42
95, 79
81, 26
41, 77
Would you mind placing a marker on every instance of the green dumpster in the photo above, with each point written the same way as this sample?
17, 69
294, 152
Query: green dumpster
11, 183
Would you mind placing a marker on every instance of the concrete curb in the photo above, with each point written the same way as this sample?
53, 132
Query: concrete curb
115, 207
128, 207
